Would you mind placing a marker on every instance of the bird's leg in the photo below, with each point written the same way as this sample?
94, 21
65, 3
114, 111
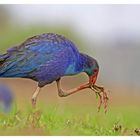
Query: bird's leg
97, 89
63, 93
103, 97
34, 97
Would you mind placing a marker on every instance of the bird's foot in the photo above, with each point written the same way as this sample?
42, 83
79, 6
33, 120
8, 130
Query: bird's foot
33, 103
102, 97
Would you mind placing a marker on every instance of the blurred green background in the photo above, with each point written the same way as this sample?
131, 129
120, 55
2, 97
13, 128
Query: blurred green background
110, 33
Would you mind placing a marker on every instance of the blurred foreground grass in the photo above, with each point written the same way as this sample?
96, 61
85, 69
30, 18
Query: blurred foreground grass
70, 120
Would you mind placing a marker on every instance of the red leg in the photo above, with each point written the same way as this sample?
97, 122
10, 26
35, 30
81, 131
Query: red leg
98, 90
63, 93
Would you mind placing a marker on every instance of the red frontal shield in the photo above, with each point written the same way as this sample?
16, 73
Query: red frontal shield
93, 78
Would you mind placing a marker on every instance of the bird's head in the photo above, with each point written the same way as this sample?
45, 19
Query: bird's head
88, 65
91, 67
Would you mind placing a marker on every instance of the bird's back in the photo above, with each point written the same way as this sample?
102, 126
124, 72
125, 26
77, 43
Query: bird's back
41, 54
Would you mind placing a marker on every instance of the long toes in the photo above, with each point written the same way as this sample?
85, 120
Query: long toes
105, 98
100, 102
99, 107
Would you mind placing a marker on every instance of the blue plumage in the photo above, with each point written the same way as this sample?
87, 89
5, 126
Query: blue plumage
45, 58
48, 57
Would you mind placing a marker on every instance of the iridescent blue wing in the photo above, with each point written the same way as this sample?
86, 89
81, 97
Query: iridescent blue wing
47, 50
27, 59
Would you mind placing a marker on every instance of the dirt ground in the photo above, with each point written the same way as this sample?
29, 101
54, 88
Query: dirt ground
24, 88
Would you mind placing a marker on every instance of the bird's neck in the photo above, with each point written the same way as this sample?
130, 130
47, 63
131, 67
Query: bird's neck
80, 65
75, 66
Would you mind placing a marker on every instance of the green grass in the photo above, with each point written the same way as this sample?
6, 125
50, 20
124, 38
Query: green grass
70, 121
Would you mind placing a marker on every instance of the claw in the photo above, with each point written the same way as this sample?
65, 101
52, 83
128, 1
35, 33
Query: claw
96, 92
103, 98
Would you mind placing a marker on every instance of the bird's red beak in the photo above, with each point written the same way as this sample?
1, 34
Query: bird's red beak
93, 78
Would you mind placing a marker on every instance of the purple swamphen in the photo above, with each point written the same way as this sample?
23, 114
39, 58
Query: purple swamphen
48, 57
